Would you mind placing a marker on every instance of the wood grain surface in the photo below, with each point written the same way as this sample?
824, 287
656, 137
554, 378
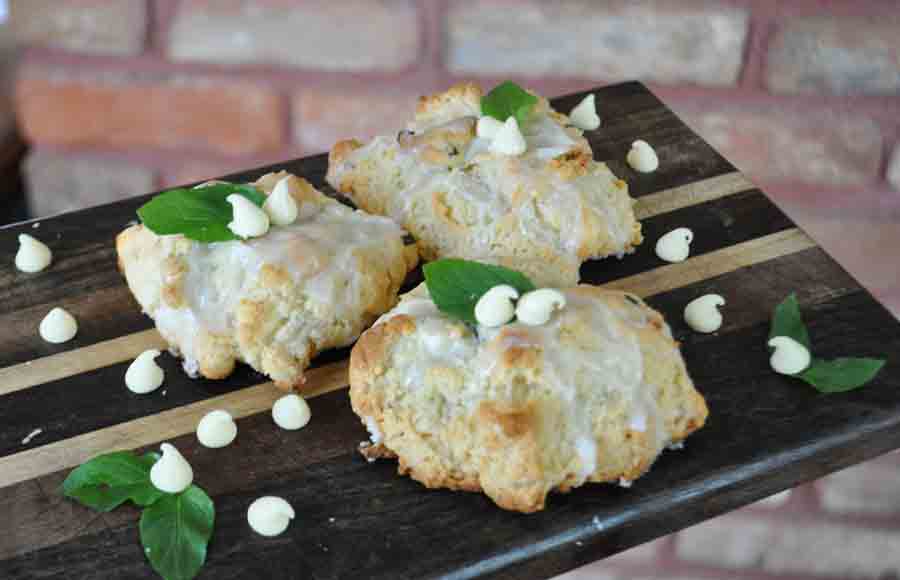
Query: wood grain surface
358, 520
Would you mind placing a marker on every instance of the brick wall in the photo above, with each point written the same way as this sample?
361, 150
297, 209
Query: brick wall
121, 96
804, 95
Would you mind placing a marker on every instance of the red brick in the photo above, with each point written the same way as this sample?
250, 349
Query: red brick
867, 488
350, 35
685, 42
123, 111
837, 55
834, 551
728, 542
323, 117
108, 27
64, 182
190, 170
773, 144
862, 245
781, 546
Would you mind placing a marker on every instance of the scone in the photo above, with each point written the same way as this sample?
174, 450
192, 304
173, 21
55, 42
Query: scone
544, 212
518, 411
272, 302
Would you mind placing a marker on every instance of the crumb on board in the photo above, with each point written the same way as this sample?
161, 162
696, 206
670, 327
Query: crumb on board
31, 436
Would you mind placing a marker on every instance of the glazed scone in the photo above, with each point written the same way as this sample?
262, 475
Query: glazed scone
544, 212
518, 411
272, 302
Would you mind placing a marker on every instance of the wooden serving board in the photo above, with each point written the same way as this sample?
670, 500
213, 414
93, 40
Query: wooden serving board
358, 520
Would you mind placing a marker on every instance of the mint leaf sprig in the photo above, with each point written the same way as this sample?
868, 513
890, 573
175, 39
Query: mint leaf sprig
175, 528
200, 214
826, 376
508, 100
456, 285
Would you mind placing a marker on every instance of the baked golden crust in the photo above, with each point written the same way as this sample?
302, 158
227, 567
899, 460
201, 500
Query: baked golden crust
544, 212
275, 301
594, 395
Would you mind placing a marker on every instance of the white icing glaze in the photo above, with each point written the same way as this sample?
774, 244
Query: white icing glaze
606, 368
316, 250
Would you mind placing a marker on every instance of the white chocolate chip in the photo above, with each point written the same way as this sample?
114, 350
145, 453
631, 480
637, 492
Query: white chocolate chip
216, 429
291, 412
642, 157
675, 246
280, 206
143, 374
33, 255
488, 127
58, 326
536, 307
584, 115
509, 140
702, 314
790, 357
269, 515
172, 473
495, 307
249, 221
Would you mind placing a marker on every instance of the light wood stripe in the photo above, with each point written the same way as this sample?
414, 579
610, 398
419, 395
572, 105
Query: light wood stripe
160, 427
124, 348
714, 264
691, 194
251, 400
81, 360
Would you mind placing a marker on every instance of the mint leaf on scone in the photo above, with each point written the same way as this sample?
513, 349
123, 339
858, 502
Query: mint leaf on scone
456, 285
200, 214
508, 100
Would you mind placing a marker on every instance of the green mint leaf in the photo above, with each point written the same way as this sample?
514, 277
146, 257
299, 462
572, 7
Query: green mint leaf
786, 321
841, 374
456, 285
199, 214
508, 100
107, 481
175, 531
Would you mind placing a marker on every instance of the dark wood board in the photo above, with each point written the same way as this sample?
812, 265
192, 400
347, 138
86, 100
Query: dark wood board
765, 433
